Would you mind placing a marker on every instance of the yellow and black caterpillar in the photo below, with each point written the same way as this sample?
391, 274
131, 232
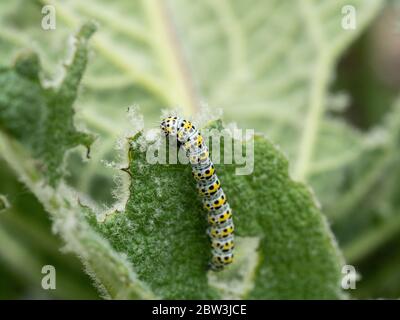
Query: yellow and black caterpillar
213, 197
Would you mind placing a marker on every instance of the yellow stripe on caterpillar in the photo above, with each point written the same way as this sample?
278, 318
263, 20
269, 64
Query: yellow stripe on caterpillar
222, 258
223, 231
223, 245
215, 202
220, 218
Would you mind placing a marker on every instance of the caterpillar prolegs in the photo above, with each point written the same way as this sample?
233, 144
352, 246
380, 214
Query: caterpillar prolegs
219, 213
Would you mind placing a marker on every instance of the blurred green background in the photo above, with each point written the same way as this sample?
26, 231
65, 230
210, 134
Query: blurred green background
254, 60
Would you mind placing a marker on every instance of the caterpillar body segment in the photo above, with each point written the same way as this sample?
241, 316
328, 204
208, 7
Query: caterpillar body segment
222, 231
220, 216
223, 244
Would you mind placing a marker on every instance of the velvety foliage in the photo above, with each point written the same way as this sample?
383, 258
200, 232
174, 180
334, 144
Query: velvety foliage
144, 236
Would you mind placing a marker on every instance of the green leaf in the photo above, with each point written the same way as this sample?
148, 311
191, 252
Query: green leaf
179, 53
111, 273
370, 205
267, 73
162, 230
27, 227
29, 107
216, 52
42, 117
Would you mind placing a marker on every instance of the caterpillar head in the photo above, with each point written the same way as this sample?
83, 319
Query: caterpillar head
169, 125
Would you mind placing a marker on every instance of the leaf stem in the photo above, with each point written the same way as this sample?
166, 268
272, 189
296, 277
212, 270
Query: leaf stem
166, 45
319, 90
313, 119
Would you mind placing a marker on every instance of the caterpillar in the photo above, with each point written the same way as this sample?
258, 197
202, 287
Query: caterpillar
219, 213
